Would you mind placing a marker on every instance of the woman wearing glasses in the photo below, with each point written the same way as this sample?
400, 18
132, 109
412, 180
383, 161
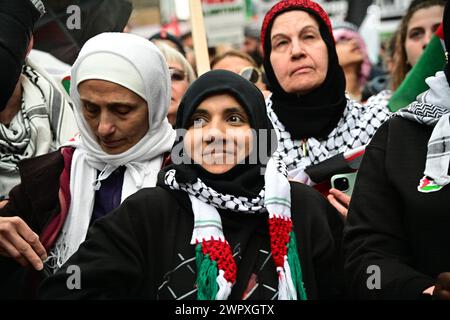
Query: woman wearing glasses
242, 64
181, 76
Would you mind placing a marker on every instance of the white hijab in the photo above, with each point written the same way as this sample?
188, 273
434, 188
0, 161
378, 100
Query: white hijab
136, 64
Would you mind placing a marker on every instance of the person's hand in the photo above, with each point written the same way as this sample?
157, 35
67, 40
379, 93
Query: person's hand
340, 201
442, 288
3, 203
19, 242
428, 291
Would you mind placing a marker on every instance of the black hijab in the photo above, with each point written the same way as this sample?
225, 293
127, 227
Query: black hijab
316, 113
244, 179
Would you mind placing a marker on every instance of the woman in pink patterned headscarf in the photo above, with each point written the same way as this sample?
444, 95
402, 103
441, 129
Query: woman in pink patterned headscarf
353, 58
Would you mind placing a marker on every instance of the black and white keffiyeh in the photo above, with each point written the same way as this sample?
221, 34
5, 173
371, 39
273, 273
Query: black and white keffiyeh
208, 195
242, 189
381, 99
318, 123
214, 198
274, 199
432, 108
356, 127
44, 121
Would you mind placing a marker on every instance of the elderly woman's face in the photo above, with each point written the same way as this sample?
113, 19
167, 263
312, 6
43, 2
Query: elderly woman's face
117, 116
299, 56
219, 134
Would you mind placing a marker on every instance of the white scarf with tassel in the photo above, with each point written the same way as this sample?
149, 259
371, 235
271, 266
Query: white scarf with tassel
274, 198
136, 64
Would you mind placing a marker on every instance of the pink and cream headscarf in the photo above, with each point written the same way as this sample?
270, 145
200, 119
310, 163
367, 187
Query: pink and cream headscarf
346, 30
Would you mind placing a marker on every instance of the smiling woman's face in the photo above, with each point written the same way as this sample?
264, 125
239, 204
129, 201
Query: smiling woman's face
219, 135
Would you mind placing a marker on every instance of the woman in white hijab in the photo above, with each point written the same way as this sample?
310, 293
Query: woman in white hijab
127, 61
121, 92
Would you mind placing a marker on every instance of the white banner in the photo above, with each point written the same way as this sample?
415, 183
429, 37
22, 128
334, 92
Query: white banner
224, 21
261, 7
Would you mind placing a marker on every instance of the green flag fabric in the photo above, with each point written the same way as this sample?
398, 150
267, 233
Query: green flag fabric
431, 61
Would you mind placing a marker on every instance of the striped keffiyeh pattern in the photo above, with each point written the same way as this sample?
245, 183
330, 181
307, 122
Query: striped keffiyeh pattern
45, 120
431, 108
216, 268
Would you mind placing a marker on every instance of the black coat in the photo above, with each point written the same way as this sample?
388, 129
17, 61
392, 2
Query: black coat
143, 250
391, 225
36, 201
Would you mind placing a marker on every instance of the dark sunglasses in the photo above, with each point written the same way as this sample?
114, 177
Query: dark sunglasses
177, 75
251, 74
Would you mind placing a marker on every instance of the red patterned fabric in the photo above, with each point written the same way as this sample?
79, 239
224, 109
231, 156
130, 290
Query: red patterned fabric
279, 230
286, 5
50, 233
220, 252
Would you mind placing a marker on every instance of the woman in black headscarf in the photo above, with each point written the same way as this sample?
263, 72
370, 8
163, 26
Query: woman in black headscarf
309, 107
208, 229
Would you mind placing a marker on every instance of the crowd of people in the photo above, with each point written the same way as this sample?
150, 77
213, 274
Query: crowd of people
157, 184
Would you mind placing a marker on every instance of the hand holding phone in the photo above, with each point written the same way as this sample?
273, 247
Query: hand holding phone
341, 195
344, 182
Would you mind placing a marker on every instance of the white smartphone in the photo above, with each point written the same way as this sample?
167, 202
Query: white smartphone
344, 182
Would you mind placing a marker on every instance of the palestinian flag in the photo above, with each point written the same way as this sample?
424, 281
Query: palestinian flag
66, 84
341, 163
431, 61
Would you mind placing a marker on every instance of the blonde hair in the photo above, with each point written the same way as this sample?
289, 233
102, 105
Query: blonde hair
233, 53
172, 55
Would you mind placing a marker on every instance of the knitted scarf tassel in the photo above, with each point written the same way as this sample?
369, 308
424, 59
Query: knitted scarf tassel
216, 270
285, 255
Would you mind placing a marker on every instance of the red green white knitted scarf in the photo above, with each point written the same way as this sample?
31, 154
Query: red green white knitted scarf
216, 267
